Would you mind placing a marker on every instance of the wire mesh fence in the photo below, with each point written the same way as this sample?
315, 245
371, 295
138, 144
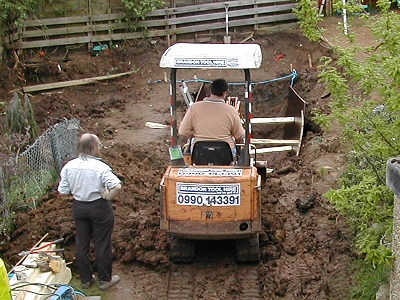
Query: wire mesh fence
27, 177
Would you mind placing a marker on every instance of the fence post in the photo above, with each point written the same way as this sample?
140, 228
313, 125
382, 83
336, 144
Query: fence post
393, 182
56, 156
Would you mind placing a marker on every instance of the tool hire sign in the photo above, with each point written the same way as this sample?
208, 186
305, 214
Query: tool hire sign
208, 194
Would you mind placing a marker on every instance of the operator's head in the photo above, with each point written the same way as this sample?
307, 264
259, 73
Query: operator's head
219, 87
89, 144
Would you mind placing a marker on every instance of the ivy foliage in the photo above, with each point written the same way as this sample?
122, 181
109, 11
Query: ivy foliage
15, 12
364, 84
137, 10
140, 8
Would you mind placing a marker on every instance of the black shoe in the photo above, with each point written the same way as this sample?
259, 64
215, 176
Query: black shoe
87, 285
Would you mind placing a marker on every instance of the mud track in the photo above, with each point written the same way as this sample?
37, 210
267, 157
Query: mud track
214, 274
239, 282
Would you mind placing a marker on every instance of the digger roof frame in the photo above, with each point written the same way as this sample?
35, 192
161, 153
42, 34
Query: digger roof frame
212, 56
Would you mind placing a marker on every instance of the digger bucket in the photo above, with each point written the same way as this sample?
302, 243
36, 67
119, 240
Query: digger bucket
293, 128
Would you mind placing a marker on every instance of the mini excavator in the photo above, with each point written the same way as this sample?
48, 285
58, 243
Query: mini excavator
207, 194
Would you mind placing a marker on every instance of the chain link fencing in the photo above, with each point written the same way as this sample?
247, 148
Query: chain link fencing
27, 177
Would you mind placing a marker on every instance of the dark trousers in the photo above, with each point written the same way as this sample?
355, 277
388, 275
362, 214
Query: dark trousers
94, 220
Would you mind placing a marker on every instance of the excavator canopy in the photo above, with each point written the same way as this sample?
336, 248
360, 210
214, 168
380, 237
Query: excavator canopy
212, 56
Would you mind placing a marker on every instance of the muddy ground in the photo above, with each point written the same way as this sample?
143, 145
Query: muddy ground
306, 251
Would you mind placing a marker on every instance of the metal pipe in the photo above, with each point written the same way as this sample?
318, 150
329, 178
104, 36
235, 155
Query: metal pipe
173, 105
244, 159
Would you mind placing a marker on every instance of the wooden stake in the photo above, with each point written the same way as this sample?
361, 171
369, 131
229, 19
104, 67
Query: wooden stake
123, 85
248, 38
309, 60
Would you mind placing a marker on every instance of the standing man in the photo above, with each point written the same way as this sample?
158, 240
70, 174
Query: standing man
213, 119
93, 185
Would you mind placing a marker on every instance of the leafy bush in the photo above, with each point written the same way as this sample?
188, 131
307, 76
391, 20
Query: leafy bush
365, 102
307, 13
137, 10
14, 13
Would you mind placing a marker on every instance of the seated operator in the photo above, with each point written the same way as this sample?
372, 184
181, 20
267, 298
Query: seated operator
213, 119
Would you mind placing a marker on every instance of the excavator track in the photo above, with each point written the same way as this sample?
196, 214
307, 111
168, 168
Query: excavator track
201, 281
248, 278
180, 284
248, 250
182, 250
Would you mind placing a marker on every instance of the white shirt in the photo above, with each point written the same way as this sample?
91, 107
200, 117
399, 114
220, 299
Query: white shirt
86, 177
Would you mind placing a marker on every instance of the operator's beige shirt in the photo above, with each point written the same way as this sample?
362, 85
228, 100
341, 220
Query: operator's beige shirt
212, 120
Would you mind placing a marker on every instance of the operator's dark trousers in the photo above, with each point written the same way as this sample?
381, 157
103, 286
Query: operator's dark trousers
94, 220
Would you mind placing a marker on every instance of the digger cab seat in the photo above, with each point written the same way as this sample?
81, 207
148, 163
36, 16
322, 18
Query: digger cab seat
216, 153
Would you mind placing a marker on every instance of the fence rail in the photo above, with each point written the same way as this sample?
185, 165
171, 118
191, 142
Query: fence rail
176, 23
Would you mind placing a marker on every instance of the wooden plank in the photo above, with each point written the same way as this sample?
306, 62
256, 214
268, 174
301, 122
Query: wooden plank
55, 42
274, 142
278, 120
90, 27
71, 20
271, 150
233, 23
212, 6
275, 28
56, 85
219, 16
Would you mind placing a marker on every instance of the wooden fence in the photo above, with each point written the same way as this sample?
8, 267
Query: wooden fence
192, 22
